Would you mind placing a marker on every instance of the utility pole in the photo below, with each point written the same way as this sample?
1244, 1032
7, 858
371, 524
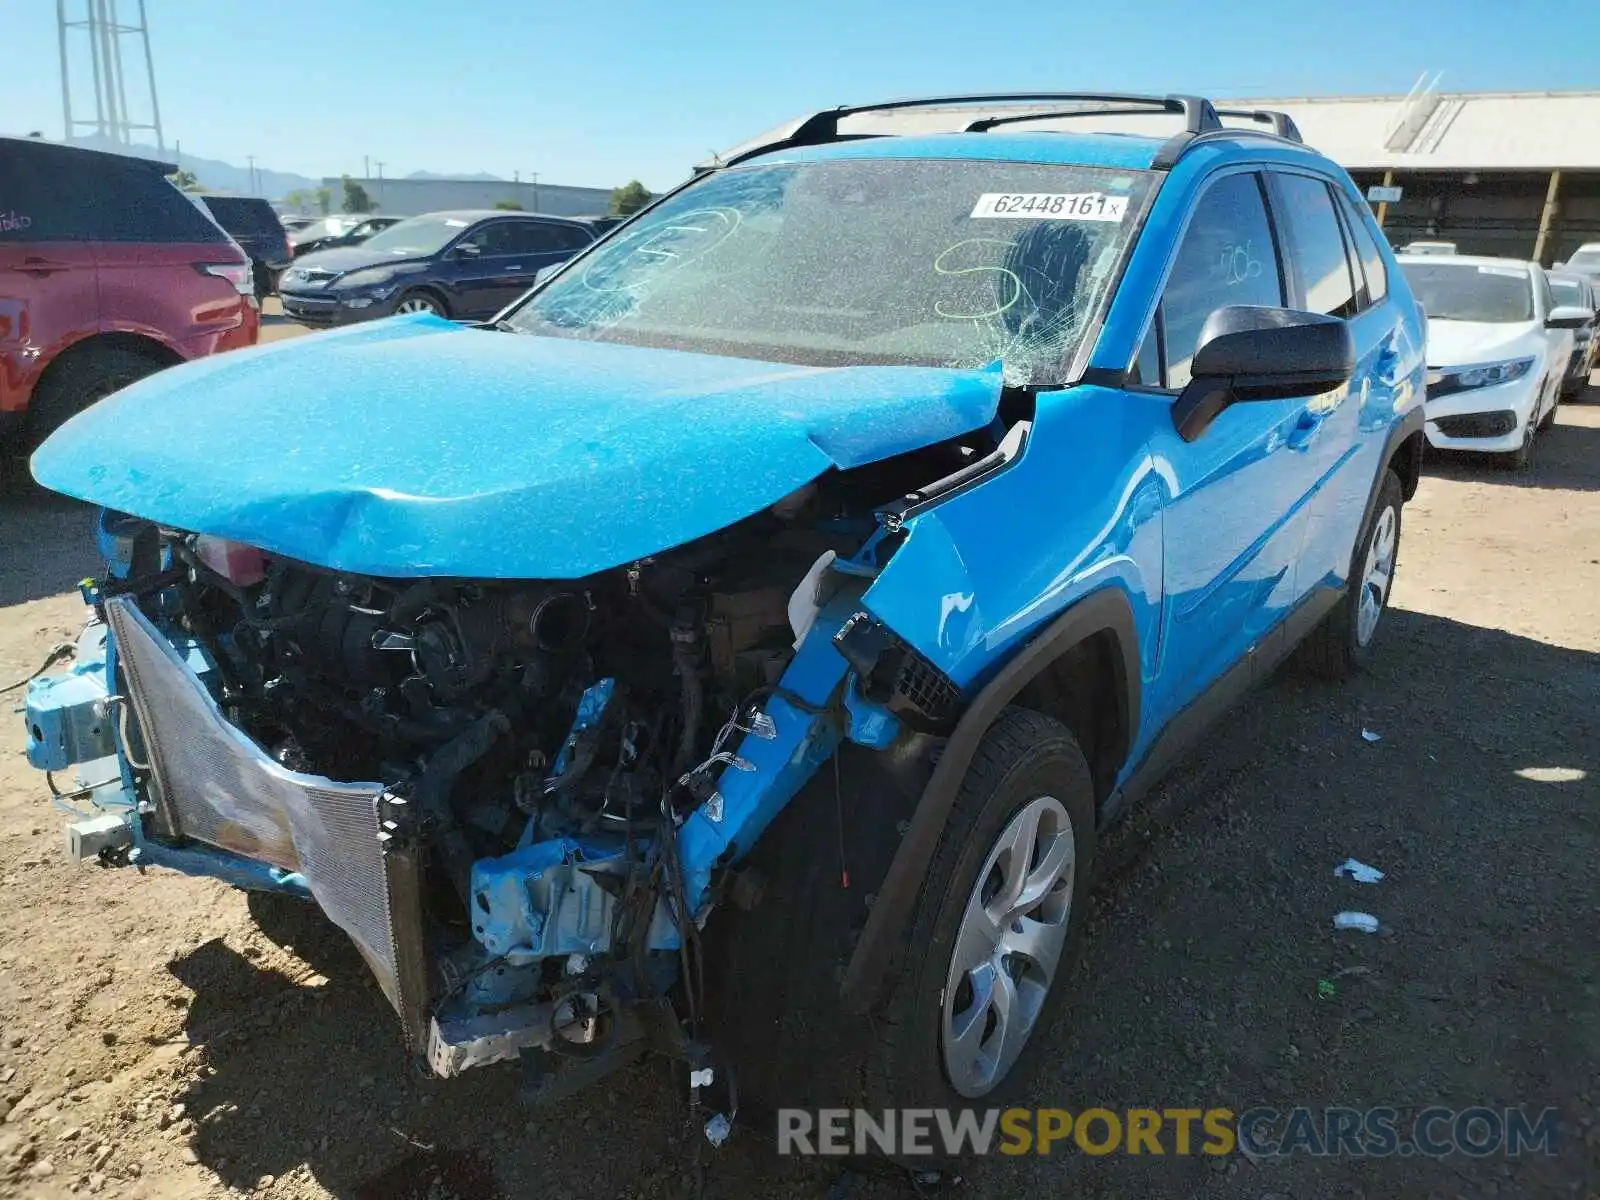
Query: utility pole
366, 167
251, 159
98, 25
535, 176
380, 181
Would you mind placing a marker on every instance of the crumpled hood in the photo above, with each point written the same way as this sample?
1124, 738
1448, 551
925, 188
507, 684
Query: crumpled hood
1469, 343
414, 446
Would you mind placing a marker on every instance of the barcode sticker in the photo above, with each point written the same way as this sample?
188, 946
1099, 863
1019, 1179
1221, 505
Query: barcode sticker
1052, 206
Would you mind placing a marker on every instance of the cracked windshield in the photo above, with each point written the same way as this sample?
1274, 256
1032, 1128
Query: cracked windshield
933, 263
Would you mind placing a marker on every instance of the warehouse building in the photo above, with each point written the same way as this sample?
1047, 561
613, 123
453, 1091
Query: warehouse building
1505, 173
408, 197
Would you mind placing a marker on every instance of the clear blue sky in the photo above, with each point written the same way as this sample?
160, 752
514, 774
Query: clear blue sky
596, 93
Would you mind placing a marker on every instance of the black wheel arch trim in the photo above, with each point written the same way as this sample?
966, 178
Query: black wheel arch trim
1412, 423
1104, 610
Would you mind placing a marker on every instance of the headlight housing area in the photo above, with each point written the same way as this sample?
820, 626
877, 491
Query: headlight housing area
366, 280
1465, 379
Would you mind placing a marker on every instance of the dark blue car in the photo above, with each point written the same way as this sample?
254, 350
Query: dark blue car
456, 264
737, 649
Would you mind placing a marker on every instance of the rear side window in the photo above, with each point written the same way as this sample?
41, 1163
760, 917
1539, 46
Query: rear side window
144, 207
1377, 275
1227, 257
1314, 245
47, 195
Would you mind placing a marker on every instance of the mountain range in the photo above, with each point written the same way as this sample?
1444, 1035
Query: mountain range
215, 175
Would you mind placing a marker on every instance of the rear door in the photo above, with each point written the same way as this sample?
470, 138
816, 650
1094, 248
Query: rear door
49, 286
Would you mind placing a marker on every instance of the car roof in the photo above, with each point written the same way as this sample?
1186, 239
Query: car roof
11, 141
480, 214
1125, 151
1467, 260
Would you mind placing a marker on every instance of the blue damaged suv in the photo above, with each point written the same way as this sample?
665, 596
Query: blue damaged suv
734, 649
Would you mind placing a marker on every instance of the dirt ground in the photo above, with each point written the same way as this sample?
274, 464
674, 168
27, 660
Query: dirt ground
154, 1042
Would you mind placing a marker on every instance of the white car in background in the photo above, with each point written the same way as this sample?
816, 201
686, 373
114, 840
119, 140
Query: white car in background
1498, 349
1575, 291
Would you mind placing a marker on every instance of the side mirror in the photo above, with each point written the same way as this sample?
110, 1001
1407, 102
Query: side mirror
1248, 353
544, 273
466, 250
1568, 316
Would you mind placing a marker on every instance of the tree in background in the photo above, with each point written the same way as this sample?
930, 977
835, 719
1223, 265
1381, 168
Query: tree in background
186, 181
356, 199
324, 200
629, 198
508, 205
299, 200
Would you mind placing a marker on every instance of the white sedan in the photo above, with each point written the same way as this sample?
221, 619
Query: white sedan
1498, 347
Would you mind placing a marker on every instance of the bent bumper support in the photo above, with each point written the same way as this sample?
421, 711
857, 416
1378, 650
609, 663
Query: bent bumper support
352, 843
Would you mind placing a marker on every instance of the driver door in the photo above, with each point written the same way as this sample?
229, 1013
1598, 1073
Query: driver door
1232, 527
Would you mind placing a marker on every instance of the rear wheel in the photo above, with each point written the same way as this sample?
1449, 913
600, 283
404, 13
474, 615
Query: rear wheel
74, 383
1342, 643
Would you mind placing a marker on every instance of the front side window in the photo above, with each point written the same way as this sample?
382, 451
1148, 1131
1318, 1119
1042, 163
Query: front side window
934, 262
1315, 245
1472, 292
1227, 257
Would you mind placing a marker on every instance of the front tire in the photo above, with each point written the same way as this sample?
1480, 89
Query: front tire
421, 302
1342, 643
774, 972
1520, 460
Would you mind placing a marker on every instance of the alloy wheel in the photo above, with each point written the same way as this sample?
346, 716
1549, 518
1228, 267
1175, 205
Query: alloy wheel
1008, 946
1378, 574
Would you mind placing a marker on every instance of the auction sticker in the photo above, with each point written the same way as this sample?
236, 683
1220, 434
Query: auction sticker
1052, 206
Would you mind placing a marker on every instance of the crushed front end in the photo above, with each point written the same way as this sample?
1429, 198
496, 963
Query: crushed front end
520, 799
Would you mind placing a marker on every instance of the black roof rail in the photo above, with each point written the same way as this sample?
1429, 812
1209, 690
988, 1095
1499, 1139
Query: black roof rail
821, 127
1282, 123
1201, 119
1198, 114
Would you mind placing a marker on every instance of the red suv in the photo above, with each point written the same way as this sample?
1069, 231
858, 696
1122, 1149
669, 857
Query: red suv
107, 273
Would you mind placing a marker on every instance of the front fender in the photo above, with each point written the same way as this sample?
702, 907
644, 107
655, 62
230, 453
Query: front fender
1106, 610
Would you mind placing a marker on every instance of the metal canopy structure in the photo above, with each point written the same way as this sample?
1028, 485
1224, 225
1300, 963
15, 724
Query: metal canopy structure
98, 27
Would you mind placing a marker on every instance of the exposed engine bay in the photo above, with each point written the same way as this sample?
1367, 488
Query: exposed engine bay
569, 769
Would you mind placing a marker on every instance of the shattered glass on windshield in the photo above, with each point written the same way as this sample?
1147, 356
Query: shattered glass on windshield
928, 262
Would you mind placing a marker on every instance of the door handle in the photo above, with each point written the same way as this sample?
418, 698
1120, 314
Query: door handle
514, 267
1305, 430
